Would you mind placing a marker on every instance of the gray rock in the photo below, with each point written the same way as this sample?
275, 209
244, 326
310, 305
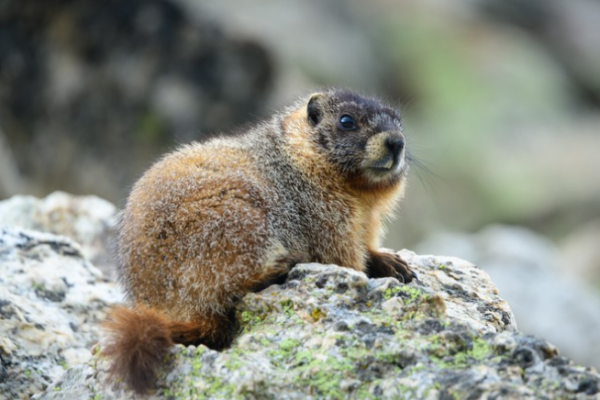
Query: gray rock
548, 300
330, 332
51, 300
88, 220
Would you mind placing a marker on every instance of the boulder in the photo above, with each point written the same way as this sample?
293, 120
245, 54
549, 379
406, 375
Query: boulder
88, 220
330, 332
546, 291
51, 300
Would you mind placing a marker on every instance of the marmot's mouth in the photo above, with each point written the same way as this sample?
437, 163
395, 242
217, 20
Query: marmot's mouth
388, 164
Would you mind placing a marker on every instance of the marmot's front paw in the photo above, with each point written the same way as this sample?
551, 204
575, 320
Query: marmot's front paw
381, 265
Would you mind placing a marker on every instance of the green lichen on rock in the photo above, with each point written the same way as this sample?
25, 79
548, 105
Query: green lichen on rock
248, 319
287, 307
452, 355
287, 345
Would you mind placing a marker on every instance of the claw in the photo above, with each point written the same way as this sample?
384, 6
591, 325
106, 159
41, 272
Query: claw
400, 277
415, 276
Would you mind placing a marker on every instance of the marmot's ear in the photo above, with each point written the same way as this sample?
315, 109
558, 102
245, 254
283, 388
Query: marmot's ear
314, 109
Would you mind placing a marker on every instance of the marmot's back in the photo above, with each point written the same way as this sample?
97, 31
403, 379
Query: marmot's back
191, 219
212, 221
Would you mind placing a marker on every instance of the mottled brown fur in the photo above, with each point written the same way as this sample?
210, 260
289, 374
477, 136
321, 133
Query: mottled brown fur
213, 221
140, 342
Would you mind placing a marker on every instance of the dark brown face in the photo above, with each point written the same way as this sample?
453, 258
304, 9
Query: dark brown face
360, 135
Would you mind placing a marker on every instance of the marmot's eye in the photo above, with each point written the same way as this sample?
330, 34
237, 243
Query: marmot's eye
347, 123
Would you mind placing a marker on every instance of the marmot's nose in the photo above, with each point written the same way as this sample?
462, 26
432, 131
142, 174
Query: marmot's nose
395, 144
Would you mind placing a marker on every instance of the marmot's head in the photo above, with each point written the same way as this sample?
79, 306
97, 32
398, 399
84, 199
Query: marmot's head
360, 135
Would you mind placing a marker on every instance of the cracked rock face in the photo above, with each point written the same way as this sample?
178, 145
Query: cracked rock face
330, 332
51, 300
88, 220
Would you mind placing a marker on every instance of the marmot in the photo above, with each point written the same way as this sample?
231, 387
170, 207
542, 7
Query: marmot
212, 221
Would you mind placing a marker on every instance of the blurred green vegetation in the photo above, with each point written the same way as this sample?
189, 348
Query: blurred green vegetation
495, 119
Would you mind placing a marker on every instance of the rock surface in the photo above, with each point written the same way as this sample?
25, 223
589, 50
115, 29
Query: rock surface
88, 220
51, 300
549, 300
329, 332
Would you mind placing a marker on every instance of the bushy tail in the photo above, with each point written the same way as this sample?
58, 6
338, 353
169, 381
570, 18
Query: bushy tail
140, 338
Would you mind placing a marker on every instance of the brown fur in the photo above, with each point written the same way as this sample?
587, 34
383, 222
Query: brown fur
213, 221
140, 340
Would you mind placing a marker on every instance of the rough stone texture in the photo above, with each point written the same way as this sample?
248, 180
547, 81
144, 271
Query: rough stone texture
51, 300
549, 300
329, 332
88, 220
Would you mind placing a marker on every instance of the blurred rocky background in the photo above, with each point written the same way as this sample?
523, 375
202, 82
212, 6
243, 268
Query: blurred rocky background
501, 100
